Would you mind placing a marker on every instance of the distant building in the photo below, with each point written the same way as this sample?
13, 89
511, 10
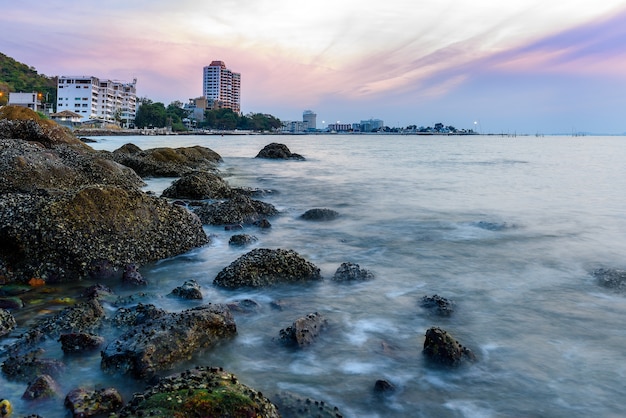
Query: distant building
196, 108
66, 118
95, 98
371, 125
294, 126
310, 119
222, 87
340, 127
29, 100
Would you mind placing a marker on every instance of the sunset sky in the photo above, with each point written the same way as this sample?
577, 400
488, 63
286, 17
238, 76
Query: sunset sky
522, 66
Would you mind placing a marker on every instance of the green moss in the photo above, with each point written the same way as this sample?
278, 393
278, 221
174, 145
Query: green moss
218, 402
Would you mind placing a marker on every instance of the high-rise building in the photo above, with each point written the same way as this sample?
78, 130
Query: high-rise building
222, 87
95, 98
310, 119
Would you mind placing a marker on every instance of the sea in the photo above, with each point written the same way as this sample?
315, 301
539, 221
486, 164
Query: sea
508, 228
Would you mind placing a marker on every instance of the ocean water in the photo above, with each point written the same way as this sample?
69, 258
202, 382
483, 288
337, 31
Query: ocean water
508, 228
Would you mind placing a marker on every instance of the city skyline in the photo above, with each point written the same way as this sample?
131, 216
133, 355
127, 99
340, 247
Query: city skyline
518, 66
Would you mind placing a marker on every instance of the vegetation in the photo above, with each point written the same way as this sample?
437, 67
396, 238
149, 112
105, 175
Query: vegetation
18, 77
229, 120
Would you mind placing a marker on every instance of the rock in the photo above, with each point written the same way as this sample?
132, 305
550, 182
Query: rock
319, 215
137, 315
244, 306
7, 322
88, 403
278, 152
611, 278
304, 331
238, 210
158, 344
241, 240
5, 408
265, 267
25, 368
11, 302
167, 162
132, 276
352, 272
198, 186
189, 290
69, 235
262, 223
441, 348
384, 386
78, 342
291, 405
32, 168
22, 123
97, 291
42, 387
82, 317
438, 305
203, 391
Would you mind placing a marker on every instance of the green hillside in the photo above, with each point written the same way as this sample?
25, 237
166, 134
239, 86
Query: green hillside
18, 77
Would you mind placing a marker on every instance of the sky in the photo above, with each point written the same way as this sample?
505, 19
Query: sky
514, 66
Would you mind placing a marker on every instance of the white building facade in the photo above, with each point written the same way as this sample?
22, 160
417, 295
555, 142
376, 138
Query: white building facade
101, 99
29, 100
310, 119
221, 87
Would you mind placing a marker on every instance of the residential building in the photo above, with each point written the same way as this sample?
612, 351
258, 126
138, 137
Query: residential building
221, 87
371, 125
294, 126
95, 98
29, 100
310, 119
340, 127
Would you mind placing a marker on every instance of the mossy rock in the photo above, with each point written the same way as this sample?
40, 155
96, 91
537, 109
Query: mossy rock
203, 391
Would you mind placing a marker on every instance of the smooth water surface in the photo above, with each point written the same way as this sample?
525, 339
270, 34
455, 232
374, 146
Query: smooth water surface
508, 228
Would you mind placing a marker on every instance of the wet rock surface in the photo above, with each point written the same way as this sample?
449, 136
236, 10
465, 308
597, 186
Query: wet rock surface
614, 279
265, 267
167, 162
159, 343
349, 272
278, 152
7, 322
44, 386
189, 290
441, 348
320, 215
202, 391
304, 331
78, 342
241, 240
66, 236
26, 368
438, 305
240, 209
292, 405
90, 403
198, 186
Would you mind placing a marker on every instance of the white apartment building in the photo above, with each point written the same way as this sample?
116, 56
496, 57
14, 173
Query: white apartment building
100, 99
310, 119
29, 100
221, 87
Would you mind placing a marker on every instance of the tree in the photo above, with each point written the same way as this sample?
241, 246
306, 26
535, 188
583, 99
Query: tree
151, 115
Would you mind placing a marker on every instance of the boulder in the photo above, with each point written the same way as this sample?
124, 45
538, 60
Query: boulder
241, 240
349, 272
383, 386
238, 210
611, 278
198, 186
42, 387
89, 403
265, 267
438, 305
202, 391
25, 368
7, 322
30, 167
158, 344
244, 306
278, 152
167, 162
304, 331
137, 315
189, 290
319, 214
67, 236
132, 276
78, 342
441, 348
82, 317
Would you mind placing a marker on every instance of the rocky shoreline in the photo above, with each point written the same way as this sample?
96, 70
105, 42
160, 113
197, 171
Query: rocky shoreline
70, 213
